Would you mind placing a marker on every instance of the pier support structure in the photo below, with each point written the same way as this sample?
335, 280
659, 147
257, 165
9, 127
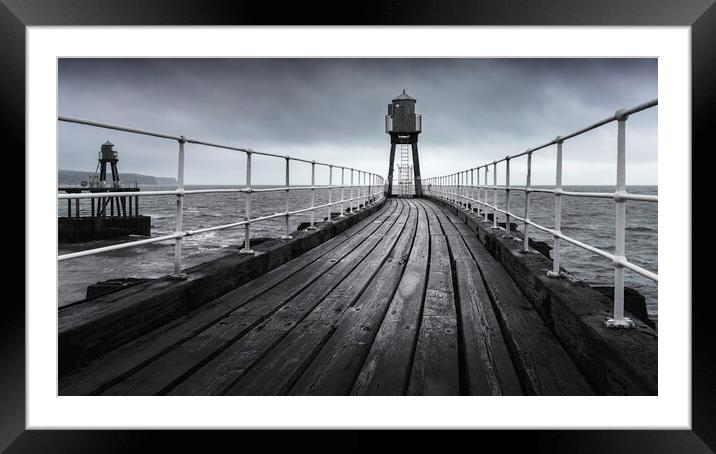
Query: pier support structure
412, 140
110, 216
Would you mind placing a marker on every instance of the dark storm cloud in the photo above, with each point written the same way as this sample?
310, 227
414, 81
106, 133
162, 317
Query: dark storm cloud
474, 110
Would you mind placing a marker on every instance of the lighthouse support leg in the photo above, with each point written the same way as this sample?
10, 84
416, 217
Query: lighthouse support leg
416, 170
390, 168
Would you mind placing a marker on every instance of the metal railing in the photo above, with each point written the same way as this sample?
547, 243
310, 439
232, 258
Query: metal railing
368, 191
456, 188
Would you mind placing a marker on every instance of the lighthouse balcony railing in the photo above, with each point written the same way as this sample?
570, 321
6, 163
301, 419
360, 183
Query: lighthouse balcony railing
357, 188
465, 189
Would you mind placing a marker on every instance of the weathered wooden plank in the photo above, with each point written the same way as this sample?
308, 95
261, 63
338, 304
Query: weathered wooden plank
277, 371
174, 366
130, 357
542, 363
439, 296
236, 357
333, 370
436, 369
487, 363
387, 367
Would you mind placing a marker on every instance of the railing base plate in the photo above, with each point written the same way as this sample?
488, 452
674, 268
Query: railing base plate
623, 323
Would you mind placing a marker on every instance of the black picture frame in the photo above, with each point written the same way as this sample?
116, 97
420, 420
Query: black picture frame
16, 15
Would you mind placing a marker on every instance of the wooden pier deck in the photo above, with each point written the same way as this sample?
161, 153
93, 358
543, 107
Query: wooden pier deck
407, 301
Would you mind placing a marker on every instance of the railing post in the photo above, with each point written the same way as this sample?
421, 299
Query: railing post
361, 174
557, 213
472, 190
454, 188
287, 236
619, 321
508, 221
247, 226
343, 174
458, 200
465, 189
374, 191
461, 188
179, 213
494, 187
528, 194
313, 196
369, 189
484, 194
351, 204
365, 190
477, 195
330, 192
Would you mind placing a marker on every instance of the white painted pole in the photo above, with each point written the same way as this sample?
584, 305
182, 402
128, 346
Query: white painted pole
528, 190
330, 192
484, 193
557, 213
494, 187
343, 175
288, 229
313, 196
508, 225
472, 189
351, 205
619, 321
477, 191
179, 212
247, 226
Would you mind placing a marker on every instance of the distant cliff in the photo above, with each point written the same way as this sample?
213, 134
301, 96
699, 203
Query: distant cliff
77, 176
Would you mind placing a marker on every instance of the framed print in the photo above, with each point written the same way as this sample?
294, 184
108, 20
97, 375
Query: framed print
220, 214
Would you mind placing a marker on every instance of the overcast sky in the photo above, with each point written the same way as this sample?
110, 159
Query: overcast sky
474, 111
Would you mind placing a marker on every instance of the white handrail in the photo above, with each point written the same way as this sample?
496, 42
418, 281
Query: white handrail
444, 187
369, 194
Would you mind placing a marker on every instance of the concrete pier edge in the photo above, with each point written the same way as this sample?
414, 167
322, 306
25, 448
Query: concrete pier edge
614, 361
91, 328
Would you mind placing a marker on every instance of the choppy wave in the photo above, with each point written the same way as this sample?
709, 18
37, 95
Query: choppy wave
637, 228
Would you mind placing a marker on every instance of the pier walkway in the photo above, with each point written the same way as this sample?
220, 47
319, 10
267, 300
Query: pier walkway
406, 301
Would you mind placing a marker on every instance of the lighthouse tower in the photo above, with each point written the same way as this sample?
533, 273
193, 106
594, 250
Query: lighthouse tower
108, 155
404, 125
